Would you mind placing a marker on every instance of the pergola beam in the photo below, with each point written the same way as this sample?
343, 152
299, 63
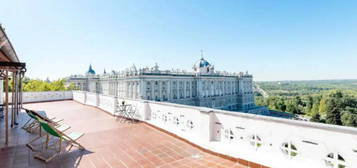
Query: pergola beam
17, 65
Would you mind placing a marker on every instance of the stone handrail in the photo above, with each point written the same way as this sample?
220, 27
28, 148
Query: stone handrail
32, 97
273, 142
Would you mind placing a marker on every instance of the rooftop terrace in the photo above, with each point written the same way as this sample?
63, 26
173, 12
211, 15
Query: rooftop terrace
108, 142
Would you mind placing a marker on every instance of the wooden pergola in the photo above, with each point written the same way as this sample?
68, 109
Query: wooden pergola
12, 72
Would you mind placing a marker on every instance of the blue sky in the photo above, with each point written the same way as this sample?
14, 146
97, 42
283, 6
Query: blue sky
273, 40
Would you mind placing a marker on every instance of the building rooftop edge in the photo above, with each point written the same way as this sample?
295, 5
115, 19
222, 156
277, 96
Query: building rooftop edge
326, 127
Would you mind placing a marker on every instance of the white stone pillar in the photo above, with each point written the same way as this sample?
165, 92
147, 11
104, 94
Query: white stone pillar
207, 122
147, 110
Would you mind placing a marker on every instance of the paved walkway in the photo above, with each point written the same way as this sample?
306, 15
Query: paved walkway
109, 143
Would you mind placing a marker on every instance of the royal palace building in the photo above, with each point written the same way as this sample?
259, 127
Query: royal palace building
202, 87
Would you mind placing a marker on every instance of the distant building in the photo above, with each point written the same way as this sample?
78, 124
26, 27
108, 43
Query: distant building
202, 87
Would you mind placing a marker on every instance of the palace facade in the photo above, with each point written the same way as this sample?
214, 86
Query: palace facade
202, 87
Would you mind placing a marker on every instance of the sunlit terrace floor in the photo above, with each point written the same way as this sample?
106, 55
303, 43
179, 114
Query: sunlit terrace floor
108, 142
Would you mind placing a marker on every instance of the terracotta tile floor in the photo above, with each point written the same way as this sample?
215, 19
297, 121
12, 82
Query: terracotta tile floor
108, 142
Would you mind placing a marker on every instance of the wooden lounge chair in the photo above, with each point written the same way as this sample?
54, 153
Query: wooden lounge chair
60, 138
35, 123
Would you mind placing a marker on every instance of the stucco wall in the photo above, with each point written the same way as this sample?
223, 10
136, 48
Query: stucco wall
31, 97
231, 133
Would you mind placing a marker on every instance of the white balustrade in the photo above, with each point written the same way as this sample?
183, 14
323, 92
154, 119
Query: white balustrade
31, 97
273, 142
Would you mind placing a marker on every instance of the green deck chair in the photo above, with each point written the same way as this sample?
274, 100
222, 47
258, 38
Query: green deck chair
36, 118
32, 123
57, 146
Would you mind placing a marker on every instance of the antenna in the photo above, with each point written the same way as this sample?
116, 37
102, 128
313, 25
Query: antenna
201, 54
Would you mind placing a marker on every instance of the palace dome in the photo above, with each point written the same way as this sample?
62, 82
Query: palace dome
202, 63
202, 66
90, 70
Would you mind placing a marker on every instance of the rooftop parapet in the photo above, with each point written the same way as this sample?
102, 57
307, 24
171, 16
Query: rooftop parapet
269, 141
149, 71
133, 71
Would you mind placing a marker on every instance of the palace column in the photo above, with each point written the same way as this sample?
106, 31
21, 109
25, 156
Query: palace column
160, 89
199, 89
152, 94
168, 90
142, 89
138, 89
184, 89
190, 89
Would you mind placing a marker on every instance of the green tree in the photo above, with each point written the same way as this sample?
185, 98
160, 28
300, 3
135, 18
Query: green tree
333, 113
315, 117
323, 105
315, 109
58, 85
309, 104
280, 105
40, 85
71, 86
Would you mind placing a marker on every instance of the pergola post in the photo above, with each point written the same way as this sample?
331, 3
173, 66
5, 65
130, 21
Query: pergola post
6, 107
17, 73
13, 100
15, 103
9, 62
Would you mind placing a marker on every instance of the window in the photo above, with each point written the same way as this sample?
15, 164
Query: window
176, 121
164, 118
228, 134
335, 160
189, 124
255, 141
289, 149
154, 116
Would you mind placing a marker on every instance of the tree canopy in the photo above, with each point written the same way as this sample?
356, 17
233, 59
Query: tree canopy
36, 85
334, 107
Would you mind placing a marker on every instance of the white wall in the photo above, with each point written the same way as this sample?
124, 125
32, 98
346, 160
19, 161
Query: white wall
31, 97
207, 127
107, 103
79, 96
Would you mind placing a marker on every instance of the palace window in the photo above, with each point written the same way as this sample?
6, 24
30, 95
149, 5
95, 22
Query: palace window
289, 149
164, 97
335, 160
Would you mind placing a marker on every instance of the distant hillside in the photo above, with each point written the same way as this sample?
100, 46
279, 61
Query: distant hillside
293, 88
326, 101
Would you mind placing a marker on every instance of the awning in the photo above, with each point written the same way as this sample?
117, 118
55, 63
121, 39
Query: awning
7, 51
